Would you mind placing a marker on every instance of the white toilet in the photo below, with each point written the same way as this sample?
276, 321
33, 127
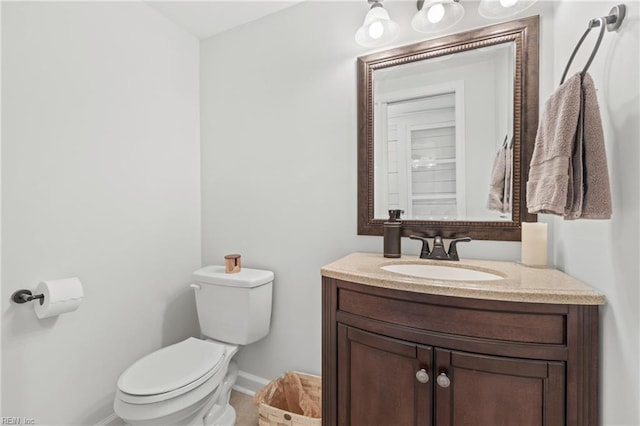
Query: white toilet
189, 383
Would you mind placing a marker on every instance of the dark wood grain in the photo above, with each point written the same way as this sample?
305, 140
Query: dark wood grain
498, 391
377, 385
522, 377
329, 351
487, 324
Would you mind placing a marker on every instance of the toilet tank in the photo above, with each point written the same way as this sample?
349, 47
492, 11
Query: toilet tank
233, 308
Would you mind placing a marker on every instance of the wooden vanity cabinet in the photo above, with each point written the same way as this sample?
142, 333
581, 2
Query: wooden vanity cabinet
393, 357
384, 370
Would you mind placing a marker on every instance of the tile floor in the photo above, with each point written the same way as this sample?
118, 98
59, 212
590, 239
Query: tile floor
246, 412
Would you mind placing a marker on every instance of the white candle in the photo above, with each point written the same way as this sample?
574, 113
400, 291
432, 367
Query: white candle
534, 244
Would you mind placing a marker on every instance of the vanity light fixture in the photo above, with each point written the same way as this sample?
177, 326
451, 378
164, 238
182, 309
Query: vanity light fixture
378, 29
437, 15
493, 9
433, 16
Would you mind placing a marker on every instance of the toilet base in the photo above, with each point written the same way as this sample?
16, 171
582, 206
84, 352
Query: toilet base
220, 412
227, 417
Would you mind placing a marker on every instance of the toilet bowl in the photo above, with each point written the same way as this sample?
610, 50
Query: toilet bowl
174, 384
189, 383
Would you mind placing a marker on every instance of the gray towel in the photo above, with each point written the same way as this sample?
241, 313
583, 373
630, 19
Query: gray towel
496, 187
575, 186
508, 161
500, 186
596, 203
547, 187
569, 160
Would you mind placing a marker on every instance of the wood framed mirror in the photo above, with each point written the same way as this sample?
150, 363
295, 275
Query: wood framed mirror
433, 120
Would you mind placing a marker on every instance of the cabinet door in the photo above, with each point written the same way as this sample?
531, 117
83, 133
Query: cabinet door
481, 390
377, 381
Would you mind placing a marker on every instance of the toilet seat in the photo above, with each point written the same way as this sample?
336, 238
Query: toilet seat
171, 371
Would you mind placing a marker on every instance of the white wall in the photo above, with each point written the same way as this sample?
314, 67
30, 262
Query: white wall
0, 204
606, 254
279, 179
100, 180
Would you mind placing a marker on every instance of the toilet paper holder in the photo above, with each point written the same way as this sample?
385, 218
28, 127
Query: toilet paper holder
24, 296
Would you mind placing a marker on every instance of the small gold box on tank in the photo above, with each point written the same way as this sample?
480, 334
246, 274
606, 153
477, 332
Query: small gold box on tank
232, 263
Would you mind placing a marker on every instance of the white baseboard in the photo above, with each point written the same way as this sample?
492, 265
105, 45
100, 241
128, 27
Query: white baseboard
111, 420
249, 384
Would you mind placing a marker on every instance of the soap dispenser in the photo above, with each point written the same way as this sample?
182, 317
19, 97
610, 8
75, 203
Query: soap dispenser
392, 234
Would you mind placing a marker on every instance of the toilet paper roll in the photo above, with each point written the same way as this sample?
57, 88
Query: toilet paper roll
60, 296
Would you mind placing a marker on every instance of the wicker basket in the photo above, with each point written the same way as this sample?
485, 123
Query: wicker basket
272, 416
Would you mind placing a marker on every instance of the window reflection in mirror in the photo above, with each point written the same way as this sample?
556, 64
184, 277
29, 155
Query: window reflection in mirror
438, 126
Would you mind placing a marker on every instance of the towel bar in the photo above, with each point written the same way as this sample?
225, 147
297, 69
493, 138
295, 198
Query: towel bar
611, 22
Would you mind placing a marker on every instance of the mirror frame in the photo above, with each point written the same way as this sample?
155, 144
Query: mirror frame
525, 33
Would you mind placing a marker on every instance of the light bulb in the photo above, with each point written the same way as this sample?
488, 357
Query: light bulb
376, 29
436, 13
508, 3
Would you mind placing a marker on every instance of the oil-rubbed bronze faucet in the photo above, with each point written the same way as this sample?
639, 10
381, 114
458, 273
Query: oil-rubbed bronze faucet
438, 251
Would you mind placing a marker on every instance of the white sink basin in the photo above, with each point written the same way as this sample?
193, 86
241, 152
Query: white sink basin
440, 272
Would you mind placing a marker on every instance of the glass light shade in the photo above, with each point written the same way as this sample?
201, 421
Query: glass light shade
378, 28
437, 15
502, 8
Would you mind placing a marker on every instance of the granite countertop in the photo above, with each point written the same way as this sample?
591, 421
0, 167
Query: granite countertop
520, 283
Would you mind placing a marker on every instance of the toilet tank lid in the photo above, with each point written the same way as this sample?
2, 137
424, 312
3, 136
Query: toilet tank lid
247, 277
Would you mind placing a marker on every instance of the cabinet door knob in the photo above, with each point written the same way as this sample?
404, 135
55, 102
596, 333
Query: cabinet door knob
443, 380
422, 376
